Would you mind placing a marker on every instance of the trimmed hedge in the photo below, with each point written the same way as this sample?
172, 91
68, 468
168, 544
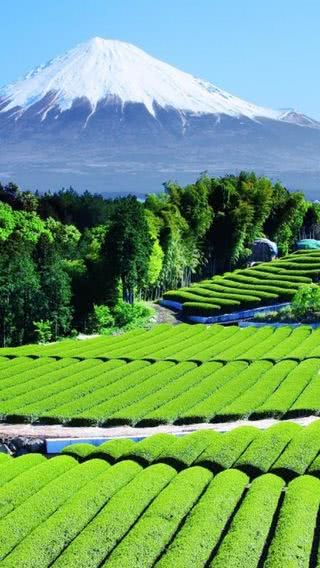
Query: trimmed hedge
205, 292
46, 543
40, 506
300, 453
11, 469
148, 450
280, 402
200, 309
244, 405
261, 350
266, 448
19, 489
150, 536
114, 520
209, 408
185, 450
204, 526
224, 450
151, 408
294, 534
79, 451
112, 450
277, 280
189, 297
211, 377
246, 537
268, 271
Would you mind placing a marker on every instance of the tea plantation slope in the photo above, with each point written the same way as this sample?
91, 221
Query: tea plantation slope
217, 374
70, 515
254, 287
286, 449
114, 392
184, 342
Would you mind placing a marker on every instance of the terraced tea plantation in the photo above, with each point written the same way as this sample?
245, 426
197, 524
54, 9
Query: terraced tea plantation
261, 285
246, 497
61, 513
181, 374
285, 449
185, 342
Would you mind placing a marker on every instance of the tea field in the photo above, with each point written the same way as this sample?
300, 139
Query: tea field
254, 287
180, 374
61, 513
286, 449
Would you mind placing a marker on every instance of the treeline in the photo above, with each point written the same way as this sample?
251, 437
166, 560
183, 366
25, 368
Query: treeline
62, 253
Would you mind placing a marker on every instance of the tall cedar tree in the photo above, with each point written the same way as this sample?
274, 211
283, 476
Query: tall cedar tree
128, 247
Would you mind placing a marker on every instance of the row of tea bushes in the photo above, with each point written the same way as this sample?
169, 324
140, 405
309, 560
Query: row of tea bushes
286, 449
257, 286
95, 514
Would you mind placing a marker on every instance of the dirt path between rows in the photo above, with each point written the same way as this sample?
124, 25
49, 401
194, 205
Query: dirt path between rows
165, 315
58, 431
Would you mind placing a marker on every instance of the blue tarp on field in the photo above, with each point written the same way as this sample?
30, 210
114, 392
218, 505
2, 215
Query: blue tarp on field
307, 244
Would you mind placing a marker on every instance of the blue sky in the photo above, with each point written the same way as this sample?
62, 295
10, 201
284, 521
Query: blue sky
265, 51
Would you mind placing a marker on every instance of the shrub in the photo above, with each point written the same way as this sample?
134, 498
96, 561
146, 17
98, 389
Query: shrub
207, 409
46, 543
186, 449
19, 466
266, 448
99, 537
112, 450
102, 318
78, 451
223, 451
39, 507
306, 301
43, 331
129, 316
287, 393
245, 404
300, 453
149, 449
31, 481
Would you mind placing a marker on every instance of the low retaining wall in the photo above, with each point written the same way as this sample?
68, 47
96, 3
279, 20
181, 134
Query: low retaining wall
276, 324
225, 318
171, 305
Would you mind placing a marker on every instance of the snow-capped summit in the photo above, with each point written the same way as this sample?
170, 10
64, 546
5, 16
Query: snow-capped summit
102, 69
296, 117
107, 116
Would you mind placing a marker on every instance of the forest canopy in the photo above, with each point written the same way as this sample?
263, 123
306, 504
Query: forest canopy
64, 253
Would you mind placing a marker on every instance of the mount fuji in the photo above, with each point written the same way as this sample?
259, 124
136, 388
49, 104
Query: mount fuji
107, 116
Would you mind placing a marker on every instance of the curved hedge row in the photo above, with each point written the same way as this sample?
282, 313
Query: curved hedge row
263, 283
286, 449
181, 342
70, 515
232, 373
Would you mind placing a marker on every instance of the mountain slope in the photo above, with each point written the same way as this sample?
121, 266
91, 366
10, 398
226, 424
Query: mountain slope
101, 69
106, 115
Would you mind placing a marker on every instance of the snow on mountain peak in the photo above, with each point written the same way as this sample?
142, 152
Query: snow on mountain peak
102, 69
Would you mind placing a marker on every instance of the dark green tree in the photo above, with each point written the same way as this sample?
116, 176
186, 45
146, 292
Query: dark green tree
127, 249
